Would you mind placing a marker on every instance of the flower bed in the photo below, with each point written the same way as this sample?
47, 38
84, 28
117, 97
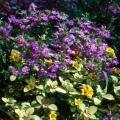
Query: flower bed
56, 68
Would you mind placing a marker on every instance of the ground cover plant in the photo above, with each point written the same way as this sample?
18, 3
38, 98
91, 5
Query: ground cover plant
53, 67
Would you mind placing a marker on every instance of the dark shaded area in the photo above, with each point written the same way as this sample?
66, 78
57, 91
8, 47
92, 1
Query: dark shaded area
4, 116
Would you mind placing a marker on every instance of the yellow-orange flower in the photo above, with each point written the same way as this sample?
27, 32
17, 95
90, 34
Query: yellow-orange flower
77, 102
31, 85
52, 115
15, 56
75, 64
115, 70
87, 90
111, 51
48, 60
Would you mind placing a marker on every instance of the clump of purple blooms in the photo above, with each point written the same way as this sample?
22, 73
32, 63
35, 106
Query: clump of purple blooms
111, 117
115, 10
69, 36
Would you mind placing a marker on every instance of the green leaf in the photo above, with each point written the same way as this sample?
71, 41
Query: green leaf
13, 78
25, 104
82, 106
26, 89
52, 107
99, 89
93, 117
73, 109
96, 101
40, 87
35, 117
108, 97
30, 111
74, 93
60, 78
92, 110
117, 90
61, 90
114, 78
39, 99
106, 80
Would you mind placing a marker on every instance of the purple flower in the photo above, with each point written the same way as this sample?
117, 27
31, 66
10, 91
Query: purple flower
72, 30
44, 17
115, 61
6, 30
21, 42
106, 34
32, 6
111, 117
25, 70
105, 118
52, 75
71, 22
115, 10
45, 51
14, 71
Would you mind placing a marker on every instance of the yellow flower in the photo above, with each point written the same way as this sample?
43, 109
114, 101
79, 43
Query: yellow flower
75, 64
77, 102
87, 90
111, 51
52, 116
115, 70
15, 56
31, 85
48, 60
91, 76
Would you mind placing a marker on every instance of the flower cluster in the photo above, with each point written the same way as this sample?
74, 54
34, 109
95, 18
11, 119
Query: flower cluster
114, 116
115, 10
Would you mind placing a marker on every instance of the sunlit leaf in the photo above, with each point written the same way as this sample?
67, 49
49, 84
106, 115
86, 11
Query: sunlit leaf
92, 110
52, 107
114, 78
117, 90
61, 90
108, 97
30, 111
82, 106
96, 101
39, 99
13, 78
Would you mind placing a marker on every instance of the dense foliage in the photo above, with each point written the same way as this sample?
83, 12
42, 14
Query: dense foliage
55, 67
